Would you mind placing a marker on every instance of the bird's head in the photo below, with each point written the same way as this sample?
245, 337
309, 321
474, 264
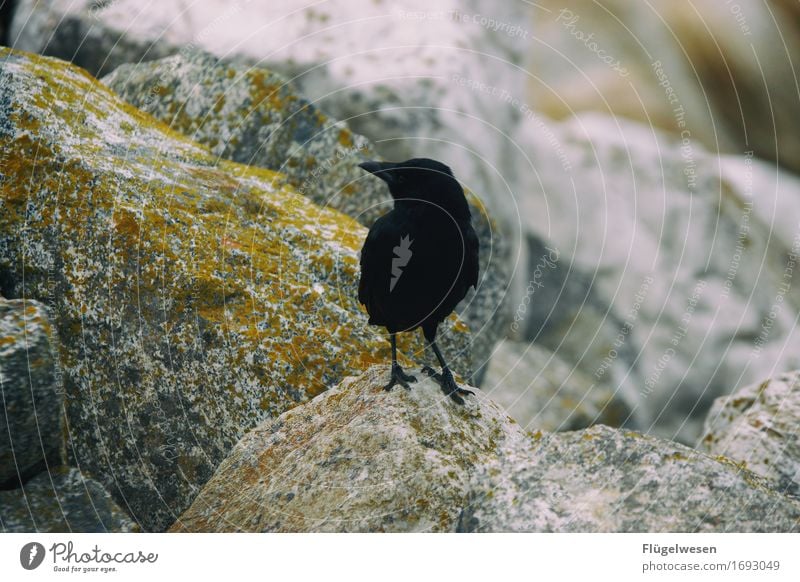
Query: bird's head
422, 182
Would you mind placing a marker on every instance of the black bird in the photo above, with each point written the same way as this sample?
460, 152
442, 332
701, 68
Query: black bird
420, 259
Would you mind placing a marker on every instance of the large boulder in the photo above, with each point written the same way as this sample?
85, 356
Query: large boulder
360, 459
31, 398
251, 115
457, 94
62, 500
193, 297
689, 259
356, 459
757, 426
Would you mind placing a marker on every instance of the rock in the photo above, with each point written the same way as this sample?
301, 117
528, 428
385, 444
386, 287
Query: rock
31, 407
74, 30
355, 459
193, 297
251, 115
558, 308
602, 58
690, 261
256, 117
757, 427
607, 480
542, 392
61, 501
359, 459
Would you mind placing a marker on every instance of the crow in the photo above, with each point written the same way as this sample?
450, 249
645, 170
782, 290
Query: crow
419, 260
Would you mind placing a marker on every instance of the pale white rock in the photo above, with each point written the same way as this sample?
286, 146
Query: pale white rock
691, 259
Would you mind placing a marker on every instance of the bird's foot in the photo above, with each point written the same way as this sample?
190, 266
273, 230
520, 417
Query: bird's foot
399, 377
448, 384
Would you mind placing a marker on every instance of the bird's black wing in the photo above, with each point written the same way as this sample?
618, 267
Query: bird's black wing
471, 257
376, 262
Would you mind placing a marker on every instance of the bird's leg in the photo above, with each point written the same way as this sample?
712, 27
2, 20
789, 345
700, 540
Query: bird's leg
445, 379
398, 375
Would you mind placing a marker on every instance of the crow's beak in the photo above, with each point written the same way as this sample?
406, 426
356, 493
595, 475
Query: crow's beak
382, 170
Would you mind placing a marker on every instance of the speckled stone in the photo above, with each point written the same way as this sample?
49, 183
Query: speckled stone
256, 117
193, 297
61, 501
31, 401
355, 459
758, 426
608, 480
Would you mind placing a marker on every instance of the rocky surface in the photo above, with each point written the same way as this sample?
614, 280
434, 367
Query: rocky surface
193, 297
602, 57
607, 480
61, 500
74, 30
251, 115
757, 426
680, 267
355, 459
542, 392
256, 117
359, 459
31, 403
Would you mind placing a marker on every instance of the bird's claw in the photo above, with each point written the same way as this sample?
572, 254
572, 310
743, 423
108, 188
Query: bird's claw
399, 377
448, 384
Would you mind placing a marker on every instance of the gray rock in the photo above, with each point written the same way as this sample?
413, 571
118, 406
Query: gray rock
757, 426
360, 459
681, 262
61, 500
32, 403
355, 459
607, 480
542, 392
193, 297
256, 117
73, 30
708, 55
